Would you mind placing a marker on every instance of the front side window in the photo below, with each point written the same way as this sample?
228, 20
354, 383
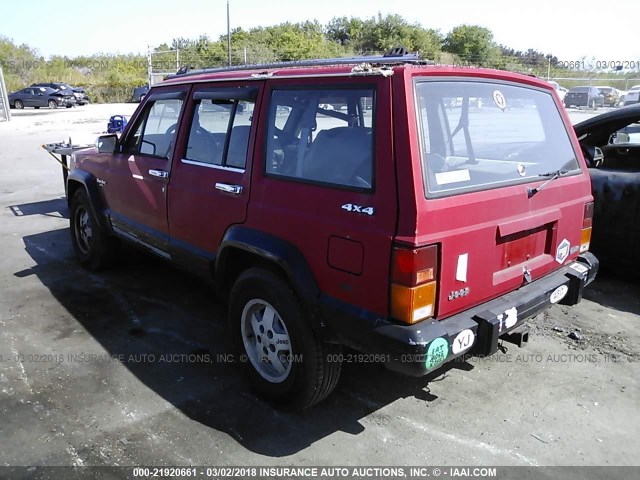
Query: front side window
155, 131
322, 135
481, 135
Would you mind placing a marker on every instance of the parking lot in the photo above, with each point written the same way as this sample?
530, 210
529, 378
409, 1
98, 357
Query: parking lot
127, 367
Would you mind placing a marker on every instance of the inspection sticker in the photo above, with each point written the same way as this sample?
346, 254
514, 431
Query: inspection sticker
499, 99
436, 353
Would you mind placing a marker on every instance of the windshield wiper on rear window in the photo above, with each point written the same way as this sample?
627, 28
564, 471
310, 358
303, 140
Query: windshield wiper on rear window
554, 175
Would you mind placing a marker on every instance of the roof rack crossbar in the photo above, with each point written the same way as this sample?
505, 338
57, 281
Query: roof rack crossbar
374, 59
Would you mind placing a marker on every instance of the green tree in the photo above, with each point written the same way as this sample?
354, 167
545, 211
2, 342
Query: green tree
382, 33
471, 43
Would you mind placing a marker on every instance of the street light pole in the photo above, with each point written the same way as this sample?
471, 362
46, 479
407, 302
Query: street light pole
228, 37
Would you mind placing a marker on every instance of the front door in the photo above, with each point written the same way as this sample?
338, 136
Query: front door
140, 173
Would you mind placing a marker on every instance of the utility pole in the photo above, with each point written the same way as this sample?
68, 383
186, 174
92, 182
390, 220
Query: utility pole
149, 66
228, 36
177, 59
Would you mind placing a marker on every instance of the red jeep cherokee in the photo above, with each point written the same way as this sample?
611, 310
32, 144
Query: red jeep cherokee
414, 213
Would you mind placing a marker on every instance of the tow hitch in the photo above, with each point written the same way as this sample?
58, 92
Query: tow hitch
518, 336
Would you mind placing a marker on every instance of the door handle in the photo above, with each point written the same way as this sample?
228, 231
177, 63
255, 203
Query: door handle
158, 173
225, 187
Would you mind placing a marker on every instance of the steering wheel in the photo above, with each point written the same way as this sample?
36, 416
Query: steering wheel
593, 155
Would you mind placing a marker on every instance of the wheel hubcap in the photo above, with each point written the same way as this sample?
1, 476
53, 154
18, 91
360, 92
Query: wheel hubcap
84, 232
266, 340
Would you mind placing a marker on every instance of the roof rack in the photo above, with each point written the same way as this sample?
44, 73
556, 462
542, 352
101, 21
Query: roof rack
394, 57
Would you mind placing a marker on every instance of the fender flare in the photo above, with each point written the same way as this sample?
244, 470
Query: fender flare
88, 182
281, 253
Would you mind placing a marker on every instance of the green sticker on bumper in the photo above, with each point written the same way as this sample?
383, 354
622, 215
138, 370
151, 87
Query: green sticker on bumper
436, 353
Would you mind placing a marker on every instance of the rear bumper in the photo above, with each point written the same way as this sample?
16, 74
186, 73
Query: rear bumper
423, 347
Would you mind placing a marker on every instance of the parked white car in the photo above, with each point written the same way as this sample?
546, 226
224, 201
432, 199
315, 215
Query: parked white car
559, 89
632, 96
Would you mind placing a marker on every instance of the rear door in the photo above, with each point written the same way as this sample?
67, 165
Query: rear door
210, 179
485, 145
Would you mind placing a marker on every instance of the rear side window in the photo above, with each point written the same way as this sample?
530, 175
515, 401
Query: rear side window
322, 136
219, 132
155, 131
482, 135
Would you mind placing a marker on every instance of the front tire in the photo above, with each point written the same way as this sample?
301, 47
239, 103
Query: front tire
279, 352
94, 249
53, 104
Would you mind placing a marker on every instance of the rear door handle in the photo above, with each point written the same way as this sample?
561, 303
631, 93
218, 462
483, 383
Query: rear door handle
158, 173
225, 187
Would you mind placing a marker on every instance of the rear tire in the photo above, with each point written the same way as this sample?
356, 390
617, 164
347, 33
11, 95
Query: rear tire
18, 104
94, 249
280, 354
53, 104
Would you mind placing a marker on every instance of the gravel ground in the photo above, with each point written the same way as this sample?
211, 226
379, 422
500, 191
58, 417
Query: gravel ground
126, 367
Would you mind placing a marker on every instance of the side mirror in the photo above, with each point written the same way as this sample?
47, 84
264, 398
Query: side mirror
107, 143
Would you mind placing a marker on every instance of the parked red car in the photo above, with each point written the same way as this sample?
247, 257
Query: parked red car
414, 213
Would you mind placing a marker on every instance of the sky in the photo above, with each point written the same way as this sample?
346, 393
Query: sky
567, 29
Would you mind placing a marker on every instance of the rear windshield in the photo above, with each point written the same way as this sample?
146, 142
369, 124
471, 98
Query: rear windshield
482, 135
580, 90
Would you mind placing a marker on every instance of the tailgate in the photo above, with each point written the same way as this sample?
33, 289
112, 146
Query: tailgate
492, 244
503, 194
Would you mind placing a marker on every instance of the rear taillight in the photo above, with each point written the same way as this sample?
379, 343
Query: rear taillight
587, 222
414, 283
587, 219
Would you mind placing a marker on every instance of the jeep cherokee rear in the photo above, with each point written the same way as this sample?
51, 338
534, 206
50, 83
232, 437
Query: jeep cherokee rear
414, 213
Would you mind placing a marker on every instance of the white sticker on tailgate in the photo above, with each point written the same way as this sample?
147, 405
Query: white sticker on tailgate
455, 176
562, 252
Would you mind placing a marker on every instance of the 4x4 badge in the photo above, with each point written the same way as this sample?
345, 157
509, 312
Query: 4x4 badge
350, 207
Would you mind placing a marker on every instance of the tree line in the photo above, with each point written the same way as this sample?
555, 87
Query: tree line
111, 78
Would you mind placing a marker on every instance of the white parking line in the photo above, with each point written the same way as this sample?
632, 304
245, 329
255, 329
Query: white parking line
499, 452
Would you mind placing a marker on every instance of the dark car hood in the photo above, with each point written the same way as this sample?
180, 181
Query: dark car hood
599, 128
